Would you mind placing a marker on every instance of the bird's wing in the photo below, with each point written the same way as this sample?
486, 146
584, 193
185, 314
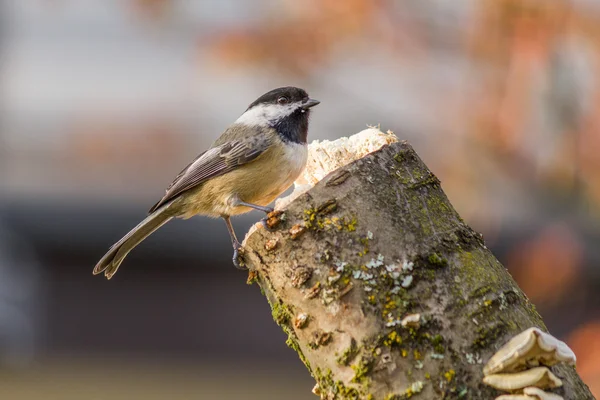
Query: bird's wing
214, 162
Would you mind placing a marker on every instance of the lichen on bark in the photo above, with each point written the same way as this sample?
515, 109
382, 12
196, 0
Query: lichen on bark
372, 243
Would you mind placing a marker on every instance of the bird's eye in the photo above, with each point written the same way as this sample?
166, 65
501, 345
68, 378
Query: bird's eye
282, 100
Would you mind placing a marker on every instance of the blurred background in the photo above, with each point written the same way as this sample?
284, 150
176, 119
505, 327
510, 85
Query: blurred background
104, 101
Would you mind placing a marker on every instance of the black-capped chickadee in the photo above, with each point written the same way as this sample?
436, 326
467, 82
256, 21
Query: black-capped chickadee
255, 160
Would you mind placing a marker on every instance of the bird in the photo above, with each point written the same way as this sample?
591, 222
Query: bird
254, 161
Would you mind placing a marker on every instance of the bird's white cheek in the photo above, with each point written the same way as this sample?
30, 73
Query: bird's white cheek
265, 114
253, 117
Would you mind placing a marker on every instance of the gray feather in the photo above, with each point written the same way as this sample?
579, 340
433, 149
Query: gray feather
117, 253
228, 153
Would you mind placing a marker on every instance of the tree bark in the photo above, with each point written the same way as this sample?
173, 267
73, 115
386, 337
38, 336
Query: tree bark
376, 241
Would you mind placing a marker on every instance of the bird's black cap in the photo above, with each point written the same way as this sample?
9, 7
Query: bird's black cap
292, 93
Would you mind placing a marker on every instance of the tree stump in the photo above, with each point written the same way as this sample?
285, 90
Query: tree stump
384, 291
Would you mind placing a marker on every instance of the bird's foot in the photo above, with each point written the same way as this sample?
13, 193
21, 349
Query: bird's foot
272, 220
238, 258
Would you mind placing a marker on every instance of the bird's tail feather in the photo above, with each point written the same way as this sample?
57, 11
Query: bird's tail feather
117, 253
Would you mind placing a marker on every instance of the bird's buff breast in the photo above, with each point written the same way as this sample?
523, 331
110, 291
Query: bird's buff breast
258, 182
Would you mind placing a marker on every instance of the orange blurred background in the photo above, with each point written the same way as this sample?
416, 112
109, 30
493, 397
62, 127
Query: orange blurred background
104, 101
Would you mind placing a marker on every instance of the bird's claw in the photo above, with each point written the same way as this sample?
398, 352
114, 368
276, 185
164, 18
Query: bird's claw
238, 259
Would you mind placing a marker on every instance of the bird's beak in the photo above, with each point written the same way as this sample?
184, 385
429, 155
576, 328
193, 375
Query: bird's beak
309, 103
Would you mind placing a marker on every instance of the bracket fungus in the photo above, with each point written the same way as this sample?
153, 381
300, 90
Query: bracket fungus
537, 393
540, 377
529, 348
531, 393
